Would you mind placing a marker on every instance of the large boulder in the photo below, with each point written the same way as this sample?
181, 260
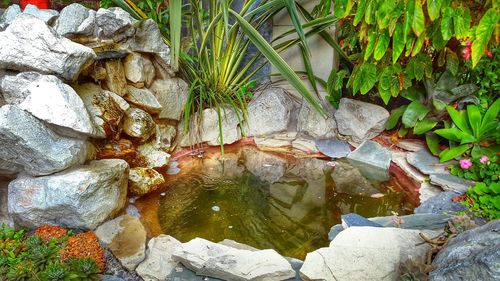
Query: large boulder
26, 141
29, 44
358, 120
159, 262
227, 263
310, 122
125, 236
75, 19
82, 197
269, 112
172, 94
472, 255
365, 253
59, 106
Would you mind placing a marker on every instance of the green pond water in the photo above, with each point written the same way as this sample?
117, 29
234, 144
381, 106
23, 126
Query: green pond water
268, 200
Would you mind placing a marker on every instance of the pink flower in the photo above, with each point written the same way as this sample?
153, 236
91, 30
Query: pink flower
466, 53
468, 44
484, 159
465, 164
490, 55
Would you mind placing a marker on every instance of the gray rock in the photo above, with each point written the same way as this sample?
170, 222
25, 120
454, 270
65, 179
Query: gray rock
115, 268
126, 238
59, 106
147, 39
143, 98
13, 85
29, 143
472, 255
266, 166
425, 162
144, 180
172, 95
9, 15
159, 263
269, 112
75, 19
305, 144
82, 197
427, 191
441, 203
372, 159
451, 183
29, 44
350, 220
4, 212
310, 122
364, 253
227, 263
46, 15
165, 135
9, 169
138, 124
359, 121
138, 69
333, 148
349, 180
113, 23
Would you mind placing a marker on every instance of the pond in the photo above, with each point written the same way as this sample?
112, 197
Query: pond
265, 200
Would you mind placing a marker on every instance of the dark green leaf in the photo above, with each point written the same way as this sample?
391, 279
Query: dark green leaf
448, 154
398, 44
418, 23
394, 118
409, 44
415, 112
447, 23
412, 94
424, 126
460, 119
383, 13
367, 78
381, 46
483, 34
452, 62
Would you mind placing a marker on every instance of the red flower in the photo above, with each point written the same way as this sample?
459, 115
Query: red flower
490, 55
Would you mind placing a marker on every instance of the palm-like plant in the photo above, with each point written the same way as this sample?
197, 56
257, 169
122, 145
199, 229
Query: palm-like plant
213, 60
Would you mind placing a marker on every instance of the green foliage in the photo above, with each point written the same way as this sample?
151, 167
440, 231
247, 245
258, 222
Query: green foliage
488, 172
31, 258
486, 76
470, 129
484, 200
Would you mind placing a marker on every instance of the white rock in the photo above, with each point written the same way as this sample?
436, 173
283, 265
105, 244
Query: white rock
172, 95
144, 180
29, 44
9, 15
126, 238
139, 69
313, 124
47, 15
305, 144
143, 98
13, 85
159, 262
147, 39
227, 263
80, 197
113, 23
75, 19
138, 124
155, 156
365, 253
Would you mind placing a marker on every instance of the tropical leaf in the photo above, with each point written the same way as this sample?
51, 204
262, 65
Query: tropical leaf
175, 32
360, 11
424, 126
491, 115
418, 22
370, 46
461, 22
383, 14
449, 154
381, 46
342, 8
483, 34
433, 8
367, 77
418, 45
398, 44
408, 20
453, 134
460, 119
452, 62
415, 112
432, 141
394, 118
447, 23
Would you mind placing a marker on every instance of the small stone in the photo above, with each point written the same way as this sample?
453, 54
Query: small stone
310, 122
215, 208
144, 180
372, 159
165, 135
172, 95
271, 142
139, 69
113, 23
155, 157
115, 77
147, 39
126, 238
441, 204
305, 144
46, 15
159, 262
138, 124
451, 183
426, 163
333, 148
75, 19
144, 99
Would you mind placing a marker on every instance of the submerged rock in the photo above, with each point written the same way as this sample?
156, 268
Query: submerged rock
227, 263
54, 54
27, 142
159, 262
359, 120
126, 238
349, 180
266, 166
372, 159
472, 255
144, 180
172, 94
82, 197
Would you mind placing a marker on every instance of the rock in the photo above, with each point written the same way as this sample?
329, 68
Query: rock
349, 180
115, 268
472, 255
399, 158
155, 157
333, 148
372, 159
59, 106
144, 180
121, 102
9, 15
82, 197
412, 145
451, 183
172, 95
359, 120
219, 261
159, 262
441, 204
29, 143
9, 169
75, 19
427, 191
271, 142
113, 23
126, 238
105, 113
266, 166
165, 135
144, 99
139, 69
115, 77
425, 162
310, 122
54, 54
269, 112
46, 15
4, 212
364, 253
13, 85
138, 124
305, 144
417, 221
147, 39
350, 220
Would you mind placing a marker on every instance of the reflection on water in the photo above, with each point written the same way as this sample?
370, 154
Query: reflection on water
267, 200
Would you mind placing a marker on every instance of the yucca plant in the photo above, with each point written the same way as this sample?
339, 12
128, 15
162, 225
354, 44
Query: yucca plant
212, 57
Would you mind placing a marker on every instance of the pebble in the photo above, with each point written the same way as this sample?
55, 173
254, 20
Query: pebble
215, 208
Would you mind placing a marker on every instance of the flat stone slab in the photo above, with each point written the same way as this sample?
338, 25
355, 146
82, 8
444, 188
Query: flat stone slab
426, 163
333, 148
372, 159
451, 183
227, 263
440, 204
